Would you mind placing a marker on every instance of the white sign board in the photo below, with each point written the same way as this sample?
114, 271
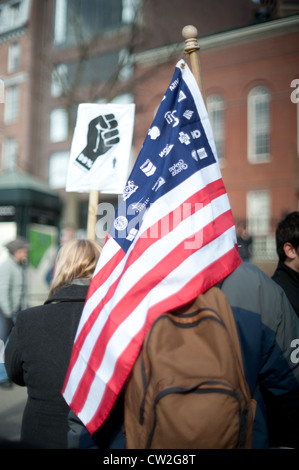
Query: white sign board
101, 148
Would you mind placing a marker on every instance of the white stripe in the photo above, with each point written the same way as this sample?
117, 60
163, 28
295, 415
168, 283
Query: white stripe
130, 327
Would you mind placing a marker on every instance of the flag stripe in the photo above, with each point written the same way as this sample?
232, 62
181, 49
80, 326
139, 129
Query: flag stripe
133, 271
119, 376
139, 290
134, 324
214, 189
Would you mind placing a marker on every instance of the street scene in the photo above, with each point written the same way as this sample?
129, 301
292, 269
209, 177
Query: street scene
149, 225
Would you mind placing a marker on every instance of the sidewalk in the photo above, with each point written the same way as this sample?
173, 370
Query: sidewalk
12, 402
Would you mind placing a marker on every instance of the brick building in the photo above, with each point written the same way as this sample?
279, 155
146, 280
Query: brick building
250, 78
249, 60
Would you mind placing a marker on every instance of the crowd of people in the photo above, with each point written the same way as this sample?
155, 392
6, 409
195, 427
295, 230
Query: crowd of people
39, 343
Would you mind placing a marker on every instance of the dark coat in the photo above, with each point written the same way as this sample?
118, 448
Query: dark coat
37, 356
267, 324
288, 279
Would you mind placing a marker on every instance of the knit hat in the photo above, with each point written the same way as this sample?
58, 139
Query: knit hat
18, 244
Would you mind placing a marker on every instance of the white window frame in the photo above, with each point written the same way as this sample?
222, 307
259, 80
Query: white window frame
60, 22
259, 95
14, 52
58, 125
59, 80
58, 167
215, 104
130, 10
10, 153
11, 110
258, 210
15, 13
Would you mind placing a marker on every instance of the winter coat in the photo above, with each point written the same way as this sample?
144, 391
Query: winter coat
288, 279
37, 356
267, 326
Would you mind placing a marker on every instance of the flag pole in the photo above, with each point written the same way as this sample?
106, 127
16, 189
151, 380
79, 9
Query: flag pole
190, 34
92, 214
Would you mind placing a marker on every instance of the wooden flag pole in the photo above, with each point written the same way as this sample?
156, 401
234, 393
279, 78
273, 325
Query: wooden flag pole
92, 214
190, 34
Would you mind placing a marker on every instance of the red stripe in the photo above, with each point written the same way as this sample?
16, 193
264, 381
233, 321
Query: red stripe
136, 294
229, 261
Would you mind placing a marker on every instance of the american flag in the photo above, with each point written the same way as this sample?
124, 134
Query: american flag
173, 237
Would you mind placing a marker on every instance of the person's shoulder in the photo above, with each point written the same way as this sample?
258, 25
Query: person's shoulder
253, 273
251, 288
30, 314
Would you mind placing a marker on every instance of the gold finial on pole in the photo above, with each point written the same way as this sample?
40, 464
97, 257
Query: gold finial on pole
190, 34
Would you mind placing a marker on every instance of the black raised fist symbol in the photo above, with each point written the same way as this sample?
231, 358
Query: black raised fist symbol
102, 135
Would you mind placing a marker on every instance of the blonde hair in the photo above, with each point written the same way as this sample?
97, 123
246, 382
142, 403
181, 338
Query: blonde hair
76, 260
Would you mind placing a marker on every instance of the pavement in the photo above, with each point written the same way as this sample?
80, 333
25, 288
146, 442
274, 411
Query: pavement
12, 403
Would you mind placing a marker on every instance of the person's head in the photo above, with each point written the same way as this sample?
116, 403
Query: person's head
287, 240
76, 260
19, 248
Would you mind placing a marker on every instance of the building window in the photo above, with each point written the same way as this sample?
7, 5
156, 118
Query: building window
79, 21
259, 125
59, 83
215, 105
15, 13
13, 57
125, 64
130, 9
58, 167
10, 154
58, 125
258, 212
11, 112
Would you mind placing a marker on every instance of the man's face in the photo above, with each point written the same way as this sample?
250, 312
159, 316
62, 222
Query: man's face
21, 256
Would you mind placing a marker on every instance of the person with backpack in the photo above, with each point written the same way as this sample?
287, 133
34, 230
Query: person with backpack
255, 315
162, 380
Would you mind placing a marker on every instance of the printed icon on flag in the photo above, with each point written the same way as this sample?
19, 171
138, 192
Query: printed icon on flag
102, 135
